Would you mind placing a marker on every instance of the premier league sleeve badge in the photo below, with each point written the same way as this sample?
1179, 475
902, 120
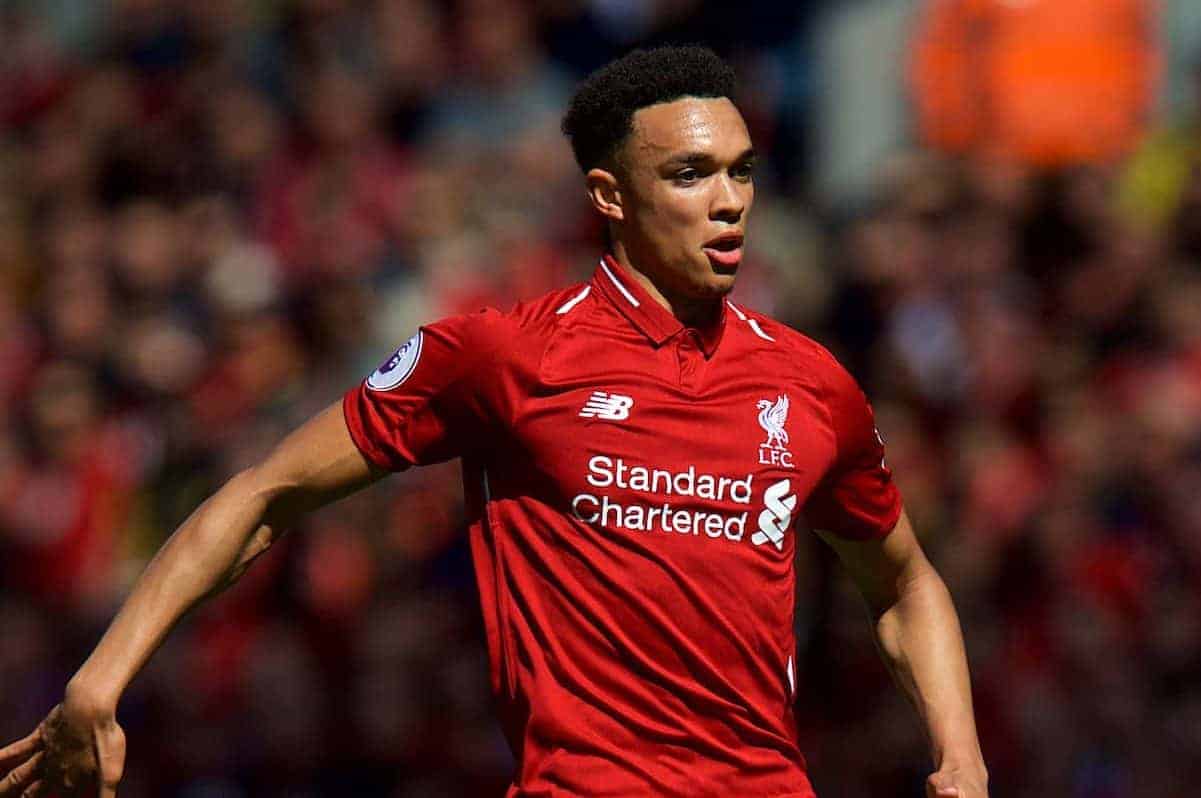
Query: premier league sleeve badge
396, 369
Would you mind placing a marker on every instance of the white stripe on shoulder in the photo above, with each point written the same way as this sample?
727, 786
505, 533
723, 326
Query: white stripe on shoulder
754, 324
624, 291
575, 300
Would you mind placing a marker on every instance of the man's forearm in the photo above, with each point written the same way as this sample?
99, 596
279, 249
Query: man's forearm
922, 644
206, 554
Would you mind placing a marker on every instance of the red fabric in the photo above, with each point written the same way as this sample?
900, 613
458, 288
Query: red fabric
640, 634
857, 498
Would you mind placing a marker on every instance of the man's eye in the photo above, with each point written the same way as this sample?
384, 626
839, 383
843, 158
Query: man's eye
744, 172
687, 175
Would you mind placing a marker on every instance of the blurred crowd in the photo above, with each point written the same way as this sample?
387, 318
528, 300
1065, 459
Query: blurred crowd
216, 217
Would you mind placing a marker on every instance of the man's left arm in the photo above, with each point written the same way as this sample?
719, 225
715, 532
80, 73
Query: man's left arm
919, 637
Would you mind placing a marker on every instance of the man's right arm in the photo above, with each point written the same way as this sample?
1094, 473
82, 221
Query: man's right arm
427, 403
315, 465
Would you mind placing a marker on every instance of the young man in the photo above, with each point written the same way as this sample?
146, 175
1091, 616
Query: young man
636, 451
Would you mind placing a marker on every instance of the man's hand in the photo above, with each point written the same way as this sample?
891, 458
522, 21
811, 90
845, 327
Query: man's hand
955, 783
74, 752
19, 767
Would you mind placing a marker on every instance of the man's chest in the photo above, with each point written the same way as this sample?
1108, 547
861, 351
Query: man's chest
632, 444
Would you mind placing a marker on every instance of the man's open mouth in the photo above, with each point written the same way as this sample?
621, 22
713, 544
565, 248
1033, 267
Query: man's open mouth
726, 243
725, 251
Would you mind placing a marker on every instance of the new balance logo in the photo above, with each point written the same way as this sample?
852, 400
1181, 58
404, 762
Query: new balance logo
608, 406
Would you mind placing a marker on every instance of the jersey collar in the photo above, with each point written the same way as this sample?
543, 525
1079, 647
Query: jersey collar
648, 316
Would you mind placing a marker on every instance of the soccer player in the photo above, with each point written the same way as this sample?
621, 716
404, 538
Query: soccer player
638, 452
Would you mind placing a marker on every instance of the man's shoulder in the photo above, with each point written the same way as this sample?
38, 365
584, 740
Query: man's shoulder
529, 321
552, 308
785, 341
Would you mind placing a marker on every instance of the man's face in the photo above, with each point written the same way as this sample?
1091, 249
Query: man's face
686, 191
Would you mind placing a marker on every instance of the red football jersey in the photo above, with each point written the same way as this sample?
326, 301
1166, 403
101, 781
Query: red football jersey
633, 487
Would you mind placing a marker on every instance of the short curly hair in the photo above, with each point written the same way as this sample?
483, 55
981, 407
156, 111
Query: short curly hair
601, 113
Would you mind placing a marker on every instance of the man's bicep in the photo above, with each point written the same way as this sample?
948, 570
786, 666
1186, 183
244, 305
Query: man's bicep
880, 566
316, 464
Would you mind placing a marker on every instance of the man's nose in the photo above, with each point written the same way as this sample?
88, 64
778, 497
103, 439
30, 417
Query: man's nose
728, 202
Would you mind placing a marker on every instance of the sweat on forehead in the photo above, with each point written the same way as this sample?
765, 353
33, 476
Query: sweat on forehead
689, 122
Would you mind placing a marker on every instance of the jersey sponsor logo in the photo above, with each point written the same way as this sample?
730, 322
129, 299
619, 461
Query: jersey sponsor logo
776, 517
772, 417
665, 500
653, 514
396, 369
607, 406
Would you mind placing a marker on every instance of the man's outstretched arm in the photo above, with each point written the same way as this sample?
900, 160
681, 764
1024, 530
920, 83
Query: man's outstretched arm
921, 642
79, 746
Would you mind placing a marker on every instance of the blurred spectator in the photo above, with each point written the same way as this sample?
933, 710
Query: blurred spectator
216, 217
1047, 82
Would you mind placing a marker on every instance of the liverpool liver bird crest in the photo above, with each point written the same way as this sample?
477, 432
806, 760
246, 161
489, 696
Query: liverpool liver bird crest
772, 418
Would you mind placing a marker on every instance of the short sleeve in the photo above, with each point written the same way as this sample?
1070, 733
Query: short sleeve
427, 402
857, 499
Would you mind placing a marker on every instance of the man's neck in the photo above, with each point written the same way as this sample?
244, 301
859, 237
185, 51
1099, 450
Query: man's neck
690, 312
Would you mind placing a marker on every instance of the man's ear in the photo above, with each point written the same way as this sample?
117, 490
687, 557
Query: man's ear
605, 194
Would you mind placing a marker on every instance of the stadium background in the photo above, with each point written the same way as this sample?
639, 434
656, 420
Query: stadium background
217, 216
